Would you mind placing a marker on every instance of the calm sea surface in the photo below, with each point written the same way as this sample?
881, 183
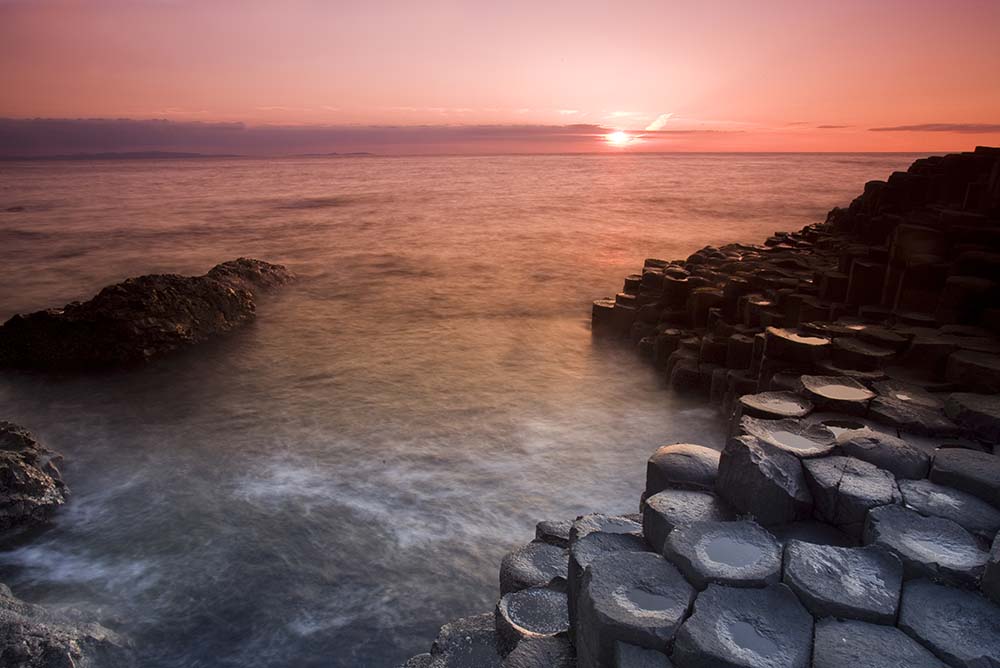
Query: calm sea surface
330, 485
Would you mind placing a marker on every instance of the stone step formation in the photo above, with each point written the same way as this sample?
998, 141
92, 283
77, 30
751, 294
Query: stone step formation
852, 517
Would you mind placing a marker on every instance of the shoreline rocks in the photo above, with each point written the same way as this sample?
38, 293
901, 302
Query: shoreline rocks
139, 319
31, 486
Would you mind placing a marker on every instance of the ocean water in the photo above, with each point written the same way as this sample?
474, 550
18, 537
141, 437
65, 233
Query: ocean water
331, 484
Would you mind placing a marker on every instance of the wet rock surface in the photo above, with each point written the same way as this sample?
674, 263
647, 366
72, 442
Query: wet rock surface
588, 548
469, 642
745, 628
763, 481
970, 512
844, 489
673, 508
141, 318
533, 565
852, 583
886, 452
681, 466
971, 471
798, 438
31, 486
837, 393
854, 644
960, 627
775, 405
530, 614
738, 554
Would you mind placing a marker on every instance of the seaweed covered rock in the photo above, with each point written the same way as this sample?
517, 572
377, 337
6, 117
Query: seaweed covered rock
35, 637
139, 319
31, 487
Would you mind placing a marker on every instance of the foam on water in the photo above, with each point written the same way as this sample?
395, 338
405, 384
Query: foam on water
331, 484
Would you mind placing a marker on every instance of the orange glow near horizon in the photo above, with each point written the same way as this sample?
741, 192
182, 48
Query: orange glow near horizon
618, 138
726, 75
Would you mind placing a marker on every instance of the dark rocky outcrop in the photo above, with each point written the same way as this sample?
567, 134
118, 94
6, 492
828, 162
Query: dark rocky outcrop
31, 487
139, 319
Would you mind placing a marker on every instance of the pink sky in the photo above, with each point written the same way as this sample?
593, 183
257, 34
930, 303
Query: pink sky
733, 75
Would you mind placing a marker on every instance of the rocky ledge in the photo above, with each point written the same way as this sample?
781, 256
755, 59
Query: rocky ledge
139, 319
31, 487
852, 517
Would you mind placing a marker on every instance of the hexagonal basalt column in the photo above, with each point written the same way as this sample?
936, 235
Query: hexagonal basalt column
971, 471
789, 346
588, 548
849, 582
533, 565
633, 656
663, 512
681, 466
774, 405
745, 628
530, 614
738, 554
798, 438
853, 644
844, 489
886, 452
970, 512
962, 628
633, 597
541, 653
837, 393
600, 523
763, 481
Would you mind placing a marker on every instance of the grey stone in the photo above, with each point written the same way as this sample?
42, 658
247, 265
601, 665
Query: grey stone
853, 353
681, 466
633, 656
774, 405
738, 554
533, 565
974, 371
910, 416
971, 471
600, 523
469, 642
586, 550
542, 653
745, 628
634, 597
530, 614
554, 532
419, 661
763, 481
802, 439
961, 628
671, 508
789, 346
850, 582
31, 487
970, 512
854, 644
886, 452
929, 546
991, 576
837, 393
978, 413
844, 489
812, 531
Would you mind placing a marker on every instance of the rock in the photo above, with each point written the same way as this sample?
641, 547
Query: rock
908, 392
853, 353
960, 627
974, 371
31, 487
542, 653
886, 452
969, 512
971, 471
910, 416
812, 531
598, 522
774, 405
671, 508
138, 319
681, 466
991, 577
830, 368
801, 439
554, 532
844, 489
419, 661
588, 548
738, 554
633, 597
32, 636
837, 393
745, 628
469, 642
788, 346
978, 413
763, 481
533, 565
929, 546
849, 643
849, 582
633, 656
530, 614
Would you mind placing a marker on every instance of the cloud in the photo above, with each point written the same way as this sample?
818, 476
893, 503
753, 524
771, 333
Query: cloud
658, 124
568, 112
964, 128
832, 127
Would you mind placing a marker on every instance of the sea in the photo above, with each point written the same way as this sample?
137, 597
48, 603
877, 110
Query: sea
331, 484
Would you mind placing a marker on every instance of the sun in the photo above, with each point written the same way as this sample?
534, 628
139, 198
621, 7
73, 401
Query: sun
618, 138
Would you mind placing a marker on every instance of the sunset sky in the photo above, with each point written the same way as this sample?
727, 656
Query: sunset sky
521, 76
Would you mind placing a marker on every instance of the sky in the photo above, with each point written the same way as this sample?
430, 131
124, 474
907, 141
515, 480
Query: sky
450, 76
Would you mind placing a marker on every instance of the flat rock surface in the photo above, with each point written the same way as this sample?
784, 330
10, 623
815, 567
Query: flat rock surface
929, 546
632, 656
589, 548
739, 554
978, 413
538, 612
775, 405
840, 393
801, 439
971, 471
844, 489
854, 644
886, 452
991, 578
763, 481
911, 416
679, 507
554, 532
849, 582
970, 512
745, 628
542, 653
961, 627
31, 487
681, 466
600, 523
533, 565
469, 642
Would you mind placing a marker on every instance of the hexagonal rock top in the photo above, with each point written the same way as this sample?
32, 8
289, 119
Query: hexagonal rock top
681, 466
633, 656
587, 549
533, 565
663, 512
534, 653
761, 480
774, 405
797, 438
960, 627
886, 452
971, 471
745, 628
789, 346
636, 597
599, 523
849, 582
844, 489
970, 512
929, 546
979, 413
853, 644
739, 554
466, 642
530, 614
837, 393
